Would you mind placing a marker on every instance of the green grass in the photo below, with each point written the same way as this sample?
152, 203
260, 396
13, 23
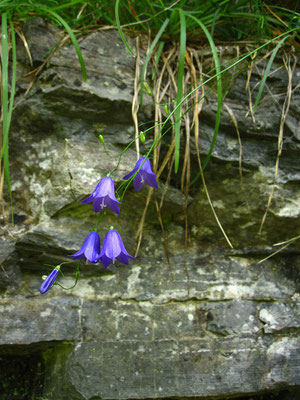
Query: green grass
226, 20
11, 12
187, 22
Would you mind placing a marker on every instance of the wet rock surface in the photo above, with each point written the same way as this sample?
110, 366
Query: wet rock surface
215, 323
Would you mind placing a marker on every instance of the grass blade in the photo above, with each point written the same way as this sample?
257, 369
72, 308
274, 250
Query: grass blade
147, 58
179, 86
119, 28
157, 58
268, 67
239, 61
72, 37
14, 71
4, 70
219, 91
5, 108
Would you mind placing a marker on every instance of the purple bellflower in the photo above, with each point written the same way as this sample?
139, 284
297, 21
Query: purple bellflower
113, 249
49, 281
104, 195
90, 249
144, 175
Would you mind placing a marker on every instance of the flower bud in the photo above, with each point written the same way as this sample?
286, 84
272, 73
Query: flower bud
49, 280
147, 88
142, 137
101, 138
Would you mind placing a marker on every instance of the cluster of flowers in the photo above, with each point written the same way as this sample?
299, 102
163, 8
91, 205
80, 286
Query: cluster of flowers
104, 196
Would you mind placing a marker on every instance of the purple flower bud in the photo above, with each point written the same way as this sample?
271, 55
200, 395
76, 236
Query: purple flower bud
104, 195
113, 249
144, 175
90, 249
49, 281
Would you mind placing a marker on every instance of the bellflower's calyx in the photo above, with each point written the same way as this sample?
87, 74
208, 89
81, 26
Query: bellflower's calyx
104, 195
49, 280
90, 249
113, 249
144, 175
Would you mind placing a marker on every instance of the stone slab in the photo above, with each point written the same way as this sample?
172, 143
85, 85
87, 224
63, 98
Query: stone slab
28, 321
185, 368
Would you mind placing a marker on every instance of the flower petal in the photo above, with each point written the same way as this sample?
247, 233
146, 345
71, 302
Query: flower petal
130, 173
144, 175
77, 256
146, 166
107, 187
90, 248
113, 248
88, 199
106, 261
99, 204
137, 166
113, 205
150, 179
123, 259
49, 281
138, 182
94, 193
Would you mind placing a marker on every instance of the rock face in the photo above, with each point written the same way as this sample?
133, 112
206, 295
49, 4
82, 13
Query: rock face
216, 323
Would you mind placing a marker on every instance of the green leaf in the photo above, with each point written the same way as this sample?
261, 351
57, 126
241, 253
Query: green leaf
179, 86
72, 37
219, 89
4, 65
14, 71
147, 58
157, 57
5, 108
268, 67
119, 28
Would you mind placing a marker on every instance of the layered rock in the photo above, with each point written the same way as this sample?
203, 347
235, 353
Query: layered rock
215, 323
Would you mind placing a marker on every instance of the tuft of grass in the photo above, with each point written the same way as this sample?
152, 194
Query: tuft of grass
171, 24
267, 70
190, 22
20, 11
148, 56
219, 95
7, 105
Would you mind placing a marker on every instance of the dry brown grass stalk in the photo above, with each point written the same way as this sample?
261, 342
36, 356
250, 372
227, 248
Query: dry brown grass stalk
234, 121
285, 109
248, 88
286, 243
135, 100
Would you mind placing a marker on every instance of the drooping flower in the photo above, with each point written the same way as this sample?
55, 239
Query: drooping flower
113, 249
49, 280
144, 175
90, 249
104, 195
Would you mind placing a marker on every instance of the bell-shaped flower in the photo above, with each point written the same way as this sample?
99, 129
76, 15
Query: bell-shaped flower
144, 174
104, 195
49, 280
90, 249
113, 249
